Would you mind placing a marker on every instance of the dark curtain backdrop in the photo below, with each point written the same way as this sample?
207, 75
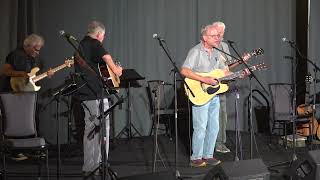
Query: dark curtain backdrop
19, 18
130, 25
314, 44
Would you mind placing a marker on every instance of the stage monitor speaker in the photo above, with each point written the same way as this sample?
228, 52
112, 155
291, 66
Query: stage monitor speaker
309, 168
253, 169
166, 175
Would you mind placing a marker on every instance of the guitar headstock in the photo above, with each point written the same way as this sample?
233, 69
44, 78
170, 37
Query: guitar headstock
258, 67
308, 79
257, 52
117, 63
69, 62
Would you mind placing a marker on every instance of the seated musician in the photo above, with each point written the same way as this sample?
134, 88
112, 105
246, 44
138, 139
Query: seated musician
20, 61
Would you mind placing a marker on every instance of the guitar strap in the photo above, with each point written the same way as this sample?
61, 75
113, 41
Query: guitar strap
83, 64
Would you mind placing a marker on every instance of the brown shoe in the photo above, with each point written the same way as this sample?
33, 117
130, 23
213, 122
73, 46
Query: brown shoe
212, 161
198, 163
19, 157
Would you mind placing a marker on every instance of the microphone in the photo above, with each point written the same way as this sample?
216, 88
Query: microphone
156, 36
228, 41
284, 39
66, 35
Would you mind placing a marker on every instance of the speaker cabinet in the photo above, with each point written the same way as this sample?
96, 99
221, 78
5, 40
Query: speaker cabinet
253, 169
309, 168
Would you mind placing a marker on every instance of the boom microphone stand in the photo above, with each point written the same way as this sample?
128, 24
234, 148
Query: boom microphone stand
255, 77
176, 71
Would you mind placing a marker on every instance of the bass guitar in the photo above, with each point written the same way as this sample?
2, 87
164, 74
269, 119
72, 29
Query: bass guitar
204, 92
22, 84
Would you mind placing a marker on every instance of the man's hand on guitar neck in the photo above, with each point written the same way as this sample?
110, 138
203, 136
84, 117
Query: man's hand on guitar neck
245, 73
50, 73
245, 57
118, 70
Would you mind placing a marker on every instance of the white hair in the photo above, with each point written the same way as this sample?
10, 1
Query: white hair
219, 24
204, 30
32, 40
95, 27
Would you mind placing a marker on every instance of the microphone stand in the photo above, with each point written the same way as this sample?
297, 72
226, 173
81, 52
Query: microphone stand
104, 88
237, 131
176, 71
315, 69
255, 77
57, 98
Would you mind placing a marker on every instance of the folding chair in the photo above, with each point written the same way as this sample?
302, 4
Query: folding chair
18, 129
158, 105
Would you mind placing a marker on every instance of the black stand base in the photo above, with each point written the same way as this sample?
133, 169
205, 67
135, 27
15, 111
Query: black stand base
99, 169
127, 131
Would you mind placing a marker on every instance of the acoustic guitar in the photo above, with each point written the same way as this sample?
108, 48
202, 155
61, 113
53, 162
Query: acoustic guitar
22, 84
204, 92
111, 80
306, 110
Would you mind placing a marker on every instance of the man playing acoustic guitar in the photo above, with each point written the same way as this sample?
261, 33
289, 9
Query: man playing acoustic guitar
90, 93
203, 58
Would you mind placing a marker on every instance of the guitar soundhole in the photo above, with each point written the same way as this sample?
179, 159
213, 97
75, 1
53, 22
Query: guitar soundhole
212, 90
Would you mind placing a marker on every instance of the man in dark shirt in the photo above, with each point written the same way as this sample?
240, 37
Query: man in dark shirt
20, 61
91, 91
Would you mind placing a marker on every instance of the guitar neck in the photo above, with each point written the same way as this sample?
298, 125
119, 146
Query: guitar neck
306, 100
237, 60
255, 52
45, 74
231, 76
231, 61
236, 74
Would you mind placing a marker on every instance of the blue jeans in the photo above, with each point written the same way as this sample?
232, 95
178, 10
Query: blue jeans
205, 129
223, 120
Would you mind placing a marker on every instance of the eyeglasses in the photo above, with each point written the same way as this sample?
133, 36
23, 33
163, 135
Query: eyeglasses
214, 35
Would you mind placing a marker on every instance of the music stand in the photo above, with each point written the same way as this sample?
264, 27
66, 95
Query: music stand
129, 79
61, 90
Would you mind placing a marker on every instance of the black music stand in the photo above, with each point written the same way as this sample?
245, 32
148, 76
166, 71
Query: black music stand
61, 90
129, 79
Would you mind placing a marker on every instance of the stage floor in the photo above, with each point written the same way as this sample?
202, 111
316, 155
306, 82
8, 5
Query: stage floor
129, 157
